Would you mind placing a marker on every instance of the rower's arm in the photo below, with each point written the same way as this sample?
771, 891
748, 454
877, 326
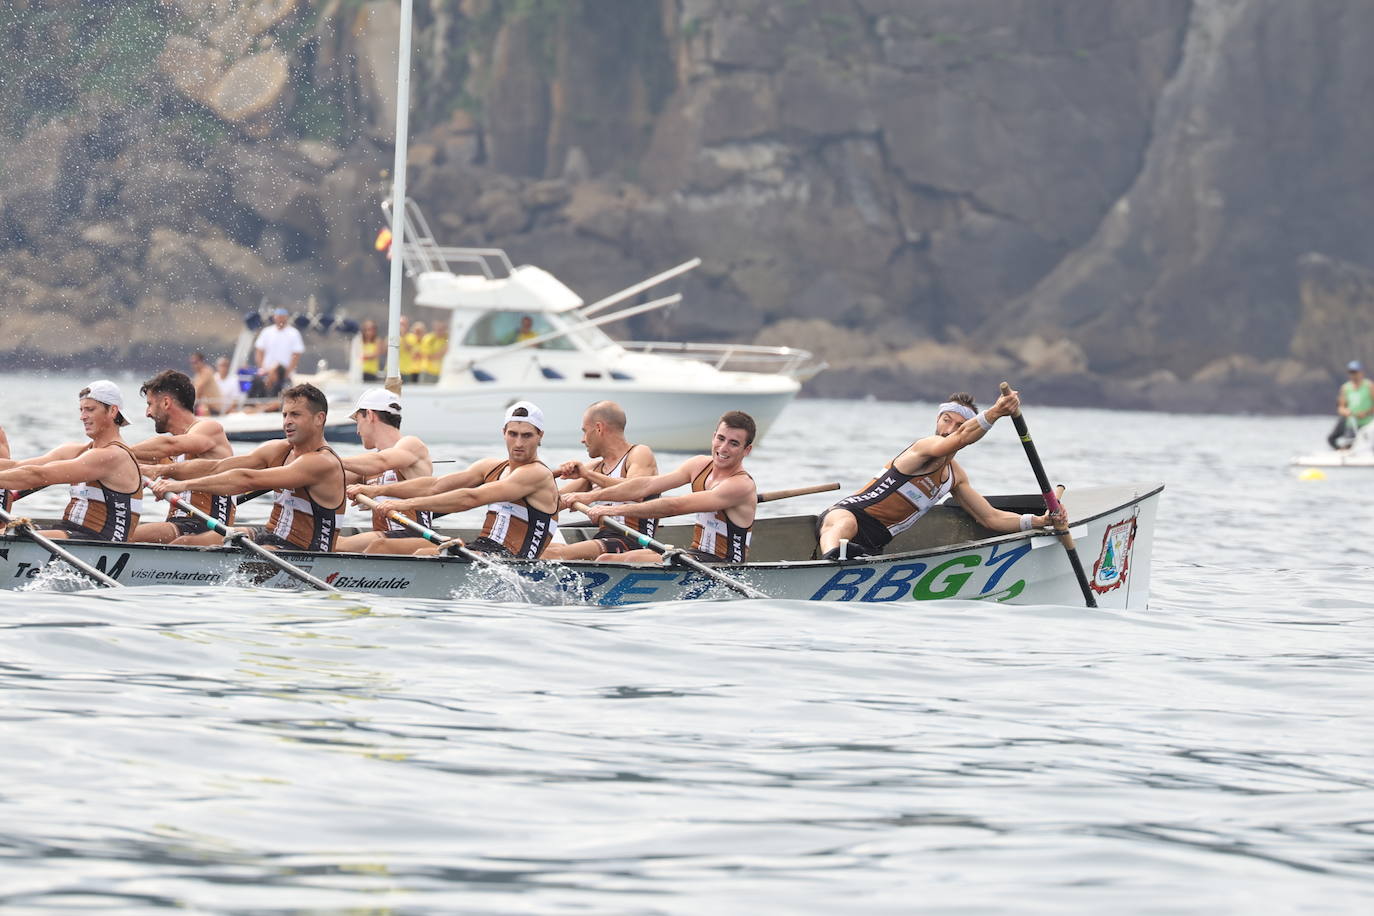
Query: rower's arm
737, 491
633, 488
303, 472
518, 485
62, 453
150, 450
4, 444
264, 456
372, 464
91, 465
983, 512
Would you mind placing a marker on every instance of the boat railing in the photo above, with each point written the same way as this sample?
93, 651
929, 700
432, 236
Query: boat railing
789, 361
420, 253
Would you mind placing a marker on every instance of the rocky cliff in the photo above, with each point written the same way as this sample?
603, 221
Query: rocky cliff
1117, 202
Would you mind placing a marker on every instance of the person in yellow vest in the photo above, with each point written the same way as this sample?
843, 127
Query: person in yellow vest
371, 353
410, 350
433, 348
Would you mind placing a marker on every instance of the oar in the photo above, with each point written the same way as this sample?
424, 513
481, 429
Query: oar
1051, 502
772, 495
25, 527
235, 538
676, 555
429, 534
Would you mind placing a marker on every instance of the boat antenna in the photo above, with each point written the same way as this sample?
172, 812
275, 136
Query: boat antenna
398, 205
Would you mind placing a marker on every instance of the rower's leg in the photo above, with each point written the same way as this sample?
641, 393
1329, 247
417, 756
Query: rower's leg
356, 543
838, 524
396, 545
156, 533
55, 535
643, 555
203, 539
582, 550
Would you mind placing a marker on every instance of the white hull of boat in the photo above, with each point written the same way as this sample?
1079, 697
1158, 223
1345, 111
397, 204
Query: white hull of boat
1114, 543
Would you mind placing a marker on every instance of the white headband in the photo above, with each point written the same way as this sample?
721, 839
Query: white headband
956, 408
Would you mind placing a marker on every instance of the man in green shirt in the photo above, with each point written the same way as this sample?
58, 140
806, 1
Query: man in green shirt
1355, 404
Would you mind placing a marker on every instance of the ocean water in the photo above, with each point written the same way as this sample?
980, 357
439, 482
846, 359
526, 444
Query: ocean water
227, 750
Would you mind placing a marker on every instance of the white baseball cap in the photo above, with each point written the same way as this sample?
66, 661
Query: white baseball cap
377, 399
106, 392
533, 415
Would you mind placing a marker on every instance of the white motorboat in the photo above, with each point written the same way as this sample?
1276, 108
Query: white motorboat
1359, 454
518, 333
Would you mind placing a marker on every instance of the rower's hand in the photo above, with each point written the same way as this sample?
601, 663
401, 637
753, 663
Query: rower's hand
1058, 519
596, 513
399, 505
354, 490
164, 485
566, 500
570, 470
1006, 405
152, 470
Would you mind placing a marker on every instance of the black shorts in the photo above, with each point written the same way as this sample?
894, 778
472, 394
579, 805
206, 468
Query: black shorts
78, 532
188, 525
613, 541
872, 535
402, 533
488, 547
264, 538
701, 556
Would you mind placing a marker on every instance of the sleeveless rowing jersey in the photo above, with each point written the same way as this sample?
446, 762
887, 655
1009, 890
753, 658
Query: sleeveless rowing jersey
97, 512
380, 521
645, 526
715, 533
303, 523
517, 526
896, 500
220, 508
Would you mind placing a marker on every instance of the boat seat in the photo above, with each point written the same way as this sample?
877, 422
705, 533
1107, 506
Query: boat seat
550, 373
482, 375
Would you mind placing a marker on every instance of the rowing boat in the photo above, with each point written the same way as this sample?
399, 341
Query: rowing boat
945, 555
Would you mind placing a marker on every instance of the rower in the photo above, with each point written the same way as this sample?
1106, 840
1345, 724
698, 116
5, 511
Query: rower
920, 478
393, 458
520, 491
306, 473
107, 490
171, 402
4, 454
723, 497
603, 433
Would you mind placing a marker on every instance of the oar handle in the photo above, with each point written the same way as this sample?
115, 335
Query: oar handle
678, 556
235, 537
429, 534
66, 556
772, 495
1051, 501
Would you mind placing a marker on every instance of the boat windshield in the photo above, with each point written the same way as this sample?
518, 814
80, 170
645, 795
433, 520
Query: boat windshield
501, 329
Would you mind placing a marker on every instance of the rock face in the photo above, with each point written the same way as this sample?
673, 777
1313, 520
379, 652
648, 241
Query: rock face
1145, 204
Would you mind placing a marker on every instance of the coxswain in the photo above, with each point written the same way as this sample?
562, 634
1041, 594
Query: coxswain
723, 497
615, 459
106, 486
306, 473
182, 435
920, 478
519, 491
392, 459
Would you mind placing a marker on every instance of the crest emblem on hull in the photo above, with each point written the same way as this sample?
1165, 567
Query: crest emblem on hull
1114, 560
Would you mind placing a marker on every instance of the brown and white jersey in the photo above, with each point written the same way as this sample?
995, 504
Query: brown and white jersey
380, 520
303, 523
715, 533
98, 512
896, 500
518, 526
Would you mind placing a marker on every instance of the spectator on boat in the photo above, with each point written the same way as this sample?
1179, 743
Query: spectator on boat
433, 348
392, 459
262, 394
204, 384
723, 496
519, 491
603, 433
306, 473
181, 435
918, 479
371, 352
1355, 404
411, 355
107, 488
228, 384
279, 344
525, 331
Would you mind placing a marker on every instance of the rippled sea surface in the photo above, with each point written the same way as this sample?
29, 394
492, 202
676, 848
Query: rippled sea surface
233, 750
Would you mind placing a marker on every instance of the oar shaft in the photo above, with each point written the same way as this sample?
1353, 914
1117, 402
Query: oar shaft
65, 556
1051, 502
645, 541
239, 539
772, 495
429, 534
